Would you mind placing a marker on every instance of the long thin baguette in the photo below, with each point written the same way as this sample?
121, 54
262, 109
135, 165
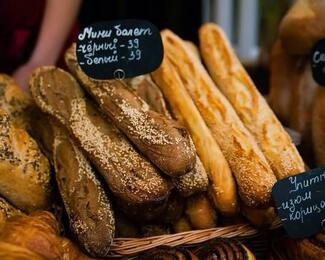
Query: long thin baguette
223, 187
131, 178
253, 173
165, 142
87, 204
234, 82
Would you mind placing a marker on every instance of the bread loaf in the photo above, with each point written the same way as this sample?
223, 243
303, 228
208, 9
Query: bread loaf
88, 207
183, 108
130, 177
165, 142
318, 126
24, 170
303, 26
234, 82
15, 102
7, 211
253, 173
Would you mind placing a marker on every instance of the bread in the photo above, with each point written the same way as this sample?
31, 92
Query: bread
223, 249
165, 142
149, 92
182, 225
88, 207
183, 108
9, 251
164, 252
261, 218
7, 211
303, 26
191, 182
130, 177
318, 126
191, 46
24, 170
282, 81
200, 212
37, 233
252, 172
234, 82
15, 102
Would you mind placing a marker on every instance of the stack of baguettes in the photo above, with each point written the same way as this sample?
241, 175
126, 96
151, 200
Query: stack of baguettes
236, 134
177, 167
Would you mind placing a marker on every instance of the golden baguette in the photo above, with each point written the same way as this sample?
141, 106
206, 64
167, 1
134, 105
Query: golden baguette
236, 85
223, 188
252, 171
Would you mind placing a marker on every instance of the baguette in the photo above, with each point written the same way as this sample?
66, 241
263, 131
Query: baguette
88, 207
234, 82
7, 211
303, 26
222, 183
318, 126
132, 179
254, 176
25, 171
191, 182
165, 142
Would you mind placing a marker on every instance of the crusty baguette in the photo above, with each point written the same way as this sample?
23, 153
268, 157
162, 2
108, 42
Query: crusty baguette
253, 173
88, 207
130, 177
183, 108
234, 82
24, 170
318, 126
191, 182
15, 102
165, 142
303, 26
7, 211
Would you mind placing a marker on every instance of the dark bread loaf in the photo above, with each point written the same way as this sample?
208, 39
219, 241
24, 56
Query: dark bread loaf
164, 141
130, 177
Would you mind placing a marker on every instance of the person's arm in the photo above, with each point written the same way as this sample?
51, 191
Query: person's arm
57, 22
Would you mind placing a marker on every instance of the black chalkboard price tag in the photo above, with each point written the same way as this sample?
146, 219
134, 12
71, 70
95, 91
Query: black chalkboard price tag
119, 49
317, 59
300, 201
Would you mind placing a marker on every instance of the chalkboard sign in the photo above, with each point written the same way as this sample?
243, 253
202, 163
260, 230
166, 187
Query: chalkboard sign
119, 49
317, 59
300, 201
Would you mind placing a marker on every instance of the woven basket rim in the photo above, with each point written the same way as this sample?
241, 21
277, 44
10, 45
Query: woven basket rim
122, 247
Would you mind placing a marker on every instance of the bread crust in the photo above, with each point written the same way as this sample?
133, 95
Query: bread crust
318, 126
252, 172
130, 177
88, 207
165, 142
25, 171
222, 183
234, 82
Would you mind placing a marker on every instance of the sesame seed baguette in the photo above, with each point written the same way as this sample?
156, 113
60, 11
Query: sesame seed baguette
234, 82
88, 207
7, 211
222, 184
164, 142
130, 177
193, 181
252, 172
24, 170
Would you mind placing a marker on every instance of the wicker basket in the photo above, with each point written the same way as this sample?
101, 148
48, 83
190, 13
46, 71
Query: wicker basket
123, 247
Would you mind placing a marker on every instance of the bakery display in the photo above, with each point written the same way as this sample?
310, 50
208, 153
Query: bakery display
233, 81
